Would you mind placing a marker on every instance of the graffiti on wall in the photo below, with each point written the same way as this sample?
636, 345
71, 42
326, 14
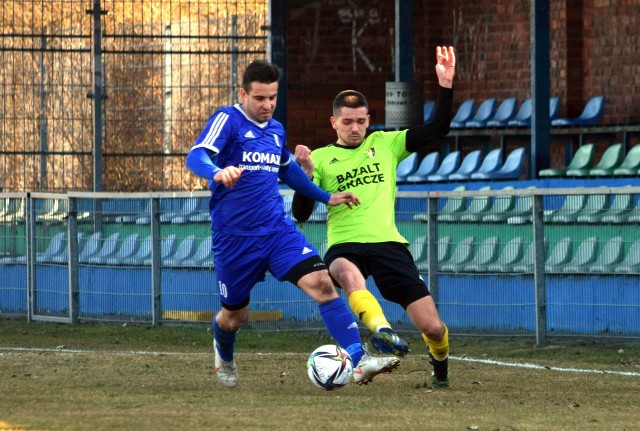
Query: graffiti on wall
360, 20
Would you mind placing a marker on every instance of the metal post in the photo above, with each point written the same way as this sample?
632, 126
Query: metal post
432, 238
72, 255
233, 72
167, 112
98, 92
538, 270
30, 226
43, 117
539, 157
156, 262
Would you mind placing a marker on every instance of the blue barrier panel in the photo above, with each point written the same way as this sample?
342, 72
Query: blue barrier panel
13, 289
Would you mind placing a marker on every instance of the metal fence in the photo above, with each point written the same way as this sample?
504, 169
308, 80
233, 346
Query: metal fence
109, 95
526, 262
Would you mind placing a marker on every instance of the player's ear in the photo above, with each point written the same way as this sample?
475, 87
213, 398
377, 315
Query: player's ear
333, 121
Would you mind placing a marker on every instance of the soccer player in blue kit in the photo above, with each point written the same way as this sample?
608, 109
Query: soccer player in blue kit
242, 151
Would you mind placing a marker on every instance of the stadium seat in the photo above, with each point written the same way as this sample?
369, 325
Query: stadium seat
560, 256
132, 216
55, 248
202, 257
181, 216
631, 262
554, 108
92, 246
521, 213
109, 248
407, 167
485, 111
186, 249
582, 162
591, 114
525, 265
585, 255
477, 208
631, 164
619, 210
487, 253
449, 165
128, 249
463, 114
512, 253
491, 162
570, 207
505, 112
612, 254
462, 254
428, 111
469, 165
523, 116
451, 205
511, 169
453, 208
168, 247
611, 159
143, 253
419, 249
595, 206
428, 165
502, 206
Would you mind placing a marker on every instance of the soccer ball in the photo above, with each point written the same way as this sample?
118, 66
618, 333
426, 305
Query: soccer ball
329, 367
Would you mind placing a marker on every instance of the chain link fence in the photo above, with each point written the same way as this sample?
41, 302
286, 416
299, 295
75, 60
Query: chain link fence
117, 87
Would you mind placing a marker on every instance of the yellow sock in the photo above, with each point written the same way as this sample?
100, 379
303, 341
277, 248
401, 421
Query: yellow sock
368, 310
439, 349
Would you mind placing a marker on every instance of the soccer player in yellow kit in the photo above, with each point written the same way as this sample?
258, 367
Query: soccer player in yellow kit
365, 241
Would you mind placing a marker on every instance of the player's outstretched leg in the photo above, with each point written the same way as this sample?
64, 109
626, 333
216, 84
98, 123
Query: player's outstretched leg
370, 366
387, 341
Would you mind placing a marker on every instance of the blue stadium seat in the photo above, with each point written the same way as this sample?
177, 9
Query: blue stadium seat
469, 165
428, 165
511, 169
485, 111
491, 162
407, 167
523, 116
449, 165
591, 114
428, 111
463, 114
505, 112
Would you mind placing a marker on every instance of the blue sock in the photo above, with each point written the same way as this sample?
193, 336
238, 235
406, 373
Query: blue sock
342, 327
225, 340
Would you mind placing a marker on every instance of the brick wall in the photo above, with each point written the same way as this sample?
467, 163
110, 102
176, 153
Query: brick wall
333, 45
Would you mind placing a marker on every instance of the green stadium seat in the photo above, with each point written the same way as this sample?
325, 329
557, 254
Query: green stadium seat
525, 265
478, 207
572, 205
559, 257
585, 255
487, 253
420, 248
512, 253
596, 204
612, 254
582, 161
521, 213
631, 262
619, 210
462, 254
452, 209
501, 207
611, 159
631, 164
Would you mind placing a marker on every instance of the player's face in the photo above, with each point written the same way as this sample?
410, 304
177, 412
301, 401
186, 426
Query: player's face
351, 125
260, 101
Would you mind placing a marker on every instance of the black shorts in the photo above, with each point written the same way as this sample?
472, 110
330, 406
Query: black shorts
391, 266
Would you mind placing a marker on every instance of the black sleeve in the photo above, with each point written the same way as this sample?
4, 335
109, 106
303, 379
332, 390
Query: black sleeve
428, 137
302, 207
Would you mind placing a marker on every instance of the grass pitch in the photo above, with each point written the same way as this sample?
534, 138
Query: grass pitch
131, 377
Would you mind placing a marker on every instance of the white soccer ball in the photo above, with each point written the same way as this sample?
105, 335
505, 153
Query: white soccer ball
329, 367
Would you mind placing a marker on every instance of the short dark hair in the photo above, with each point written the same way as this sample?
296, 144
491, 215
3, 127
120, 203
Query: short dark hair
260, 71
349, 99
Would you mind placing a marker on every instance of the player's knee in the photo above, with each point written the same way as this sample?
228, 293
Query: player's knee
435, 330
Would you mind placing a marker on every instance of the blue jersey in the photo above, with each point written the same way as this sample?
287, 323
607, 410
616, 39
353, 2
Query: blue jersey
254, 205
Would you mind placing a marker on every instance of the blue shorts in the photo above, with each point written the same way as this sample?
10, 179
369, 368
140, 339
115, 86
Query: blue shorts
242, 261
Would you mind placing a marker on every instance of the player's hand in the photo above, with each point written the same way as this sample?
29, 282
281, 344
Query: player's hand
347, 198
303, 156
228, 176
446, 67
